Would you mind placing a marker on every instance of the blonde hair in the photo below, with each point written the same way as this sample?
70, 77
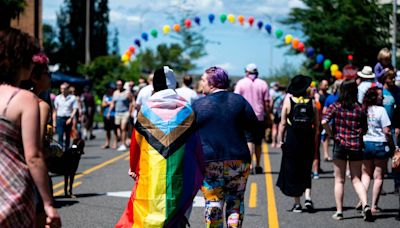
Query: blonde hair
384, 54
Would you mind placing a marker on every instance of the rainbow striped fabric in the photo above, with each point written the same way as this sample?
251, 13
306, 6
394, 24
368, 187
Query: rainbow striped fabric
166, 154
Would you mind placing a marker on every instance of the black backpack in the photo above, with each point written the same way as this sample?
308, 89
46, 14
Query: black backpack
302, 114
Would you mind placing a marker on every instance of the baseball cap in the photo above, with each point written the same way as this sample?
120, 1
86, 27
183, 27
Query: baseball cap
251, 68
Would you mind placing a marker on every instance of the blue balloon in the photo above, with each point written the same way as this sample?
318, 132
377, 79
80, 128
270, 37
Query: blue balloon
320, 58
211, 18
260, 24
145, 36
310, 52
268, 28
137, 42
197, 20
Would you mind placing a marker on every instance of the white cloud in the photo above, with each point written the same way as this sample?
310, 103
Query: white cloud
229, 67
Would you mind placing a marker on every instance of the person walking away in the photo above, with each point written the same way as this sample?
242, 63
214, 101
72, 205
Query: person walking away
222, 118
349, 125
186, 91
367, 78
145, 93
255, 91
277, 105
300, 121
65, 109
90, 109
165, 159
109, 118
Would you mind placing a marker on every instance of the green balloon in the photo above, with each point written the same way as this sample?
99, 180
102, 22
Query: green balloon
278, 33
327, 64
154, 33
223, 18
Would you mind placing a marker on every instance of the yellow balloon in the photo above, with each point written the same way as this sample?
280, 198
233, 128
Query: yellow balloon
334, 67
125, 58
288, 39
231, 18
313, 84
166, 29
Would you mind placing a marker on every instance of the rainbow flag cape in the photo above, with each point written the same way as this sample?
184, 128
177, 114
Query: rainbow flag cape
166, 154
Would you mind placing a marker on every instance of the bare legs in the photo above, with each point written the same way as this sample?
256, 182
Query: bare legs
373, 168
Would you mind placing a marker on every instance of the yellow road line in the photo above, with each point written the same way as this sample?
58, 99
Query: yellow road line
90, 170
127, 158
60, 192
253, 195
272, 211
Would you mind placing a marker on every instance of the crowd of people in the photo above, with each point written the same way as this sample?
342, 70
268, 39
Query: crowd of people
183, 140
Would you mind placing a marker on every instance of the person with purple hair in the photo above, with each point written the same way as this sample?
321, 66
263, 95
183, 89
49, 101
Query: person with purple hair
222, 118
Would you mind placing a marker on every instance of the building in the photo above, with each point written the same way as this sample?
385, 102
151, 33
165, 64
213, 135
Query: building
30, 21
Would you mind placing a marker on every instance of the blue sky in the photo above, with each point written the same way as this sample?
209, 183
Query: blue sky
235, 45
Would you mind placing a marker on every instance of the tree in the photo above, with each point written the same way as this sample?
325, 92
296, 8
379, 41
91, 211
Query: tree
10, 9
50, 43
337, 28
115, 43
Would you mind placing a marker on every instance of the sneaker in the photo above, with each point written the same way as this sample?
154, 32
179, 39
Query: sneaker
297, 208
367, 214
315, 176
259, 170
358, 207
122, 148
338, 215
309, 205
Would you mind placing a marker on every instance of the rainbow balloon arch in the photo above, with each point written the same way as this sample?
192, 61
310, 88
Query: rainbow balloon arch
288, 39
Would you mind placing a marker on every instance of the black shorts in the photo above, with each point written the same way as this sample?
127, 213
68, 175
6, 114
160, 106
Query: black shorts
109, 124
341, 153
277, 118
258, 135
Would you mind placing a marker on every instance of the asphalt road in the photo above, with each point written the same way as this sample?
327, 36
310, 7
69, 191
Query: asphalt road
102, 187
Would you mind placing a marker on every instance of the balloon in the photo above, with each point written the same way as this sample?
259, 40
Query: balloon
197, 20
177, 27
132, 49
124, 58
154, 33
295, 43
313, 84
338, 75
188, 23
278, 33
334, 67
223, 18
350, 57
137, 42
300, 47
240, 19
310, 52
145, 36
288, 39
251, 20
211, 18
327, 63
320, 58
260, 24
268, 28
231, 18
166, 29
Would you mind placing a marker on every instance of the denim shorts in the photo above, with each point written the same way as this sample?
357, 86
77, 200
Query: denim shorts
341, 153
376, 150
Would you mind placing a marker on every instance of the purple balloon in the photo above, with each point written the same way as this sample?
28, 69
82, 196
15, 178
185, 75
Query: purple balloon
260, 24
310, 52
137, 42
197, 20
268, 28
145, 36
211, 18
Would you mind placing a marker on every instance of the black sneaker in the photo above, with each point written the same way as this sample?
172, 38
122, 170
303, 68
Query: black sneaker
297, 208
338, 216
259, 170
367, 214
309, 205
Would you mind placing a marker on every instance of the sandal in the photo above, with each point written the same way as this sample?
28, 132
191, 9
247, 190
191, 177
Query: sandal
358, 207
375, 209
328, 159
105, 147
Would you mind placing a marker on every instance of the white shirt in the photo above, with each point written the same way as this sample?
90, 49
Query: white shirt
362, 89
187, 93
144, 94
65, 105
377, 120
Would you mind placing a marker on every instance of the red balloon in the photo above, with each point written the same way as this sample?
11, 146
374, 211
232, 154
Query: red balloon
300, 47
350, 57
251, 20
188, 23
132, 49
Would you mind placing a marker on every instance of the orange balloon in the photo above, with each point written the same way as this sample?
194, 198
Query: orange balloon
241, 19
338, 75
177, 28
295, 43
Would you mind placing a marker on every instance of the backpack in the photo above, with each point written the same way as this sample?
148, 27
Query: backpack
302, 114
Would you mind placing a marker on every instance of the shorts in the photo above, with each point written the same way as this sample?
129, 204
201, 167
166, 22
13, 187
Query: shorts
121, 118
109, 124
376, 150
258, 135
341, 153
277, 118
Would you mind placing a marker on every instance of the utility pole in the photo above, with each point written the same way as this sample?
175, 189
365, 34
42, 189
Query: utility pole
87, 33
394, 46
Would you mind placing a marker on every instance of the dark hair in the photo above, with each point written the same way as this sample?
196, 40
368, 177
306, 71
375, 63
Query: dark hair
348, 92
389, 73
371, 97
159, 80
187, 80
217, 77
16, 51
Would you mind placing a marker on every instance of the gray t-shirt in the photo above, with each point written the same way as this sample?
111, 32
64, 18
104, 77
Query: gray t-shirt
121, 102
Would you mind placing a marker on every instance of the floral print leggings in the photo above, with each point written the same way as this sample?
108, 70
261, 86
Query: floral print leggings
225, 182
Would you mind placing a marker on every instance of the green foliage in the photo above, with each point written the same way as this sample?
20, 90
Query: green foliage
10, 9
50, 42
285, 73
106, 69
337, 28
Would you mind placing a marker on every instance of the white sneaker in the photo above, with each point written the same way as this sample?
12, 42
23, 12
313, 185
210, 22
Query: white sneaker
122, 148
